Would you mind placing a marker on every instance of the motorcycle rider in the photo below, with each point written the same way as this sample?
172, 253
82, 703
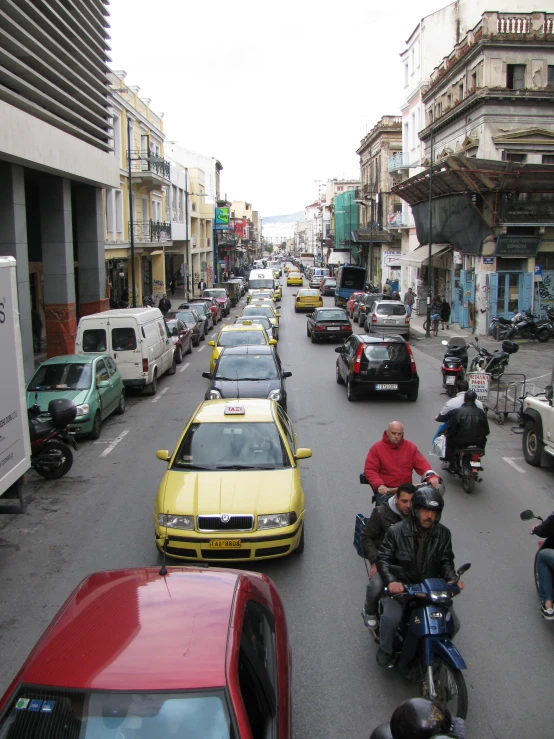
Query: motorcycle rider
391, 461
546, 566
456, 402
467, 426
420, 718
422, 546
395, 509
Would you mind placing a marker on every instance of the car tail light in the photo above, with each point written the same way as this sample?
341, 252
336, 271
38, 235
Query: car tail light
320, 328
374, 318
475, 457
412, 360
452, 369
362, 308
358, 360
145, 366
407, 319
346, 327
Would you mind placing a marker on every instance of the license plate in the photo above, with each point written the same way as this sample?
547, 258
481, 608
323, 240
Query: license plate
450, 380
333, 328
388, 386
225, 544
475, 464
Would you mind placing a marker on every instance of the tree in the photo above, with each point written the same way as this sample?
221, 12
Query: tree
269, 248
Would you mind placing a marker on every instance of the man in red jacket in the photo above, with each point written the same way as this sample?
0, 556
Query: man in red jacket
391, 461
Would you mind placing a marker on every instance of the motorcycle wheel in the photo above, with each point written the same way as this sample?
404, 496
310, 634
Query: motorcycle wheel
468, 478
543, 335
450, 686
451, 391
54, 461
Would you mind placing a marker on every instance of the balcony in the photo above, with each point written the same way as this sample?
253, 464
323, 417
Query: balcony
398, 220
400, 160
151, 232
150, 169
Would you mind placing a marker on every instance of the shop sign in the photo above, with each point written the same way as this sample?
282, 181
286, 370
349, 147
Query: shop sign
479, 382
488, 260
222, 219
390, 258
457, 257
512, 245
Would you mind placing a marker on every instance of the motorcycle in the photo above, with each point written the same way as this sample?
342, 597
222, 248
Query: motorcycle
494, 363
392, 491
148, 302
51, 440
528, 515
500, 327
454, 364
528, 326
466, 465
424, 640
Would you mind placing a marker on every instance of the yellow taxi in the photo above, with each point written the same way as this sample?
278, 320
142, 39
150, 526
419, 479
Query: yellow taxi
307, 298
278, 290
294, 278
266, 291
238, 335
263, 308
232, 488
262, 295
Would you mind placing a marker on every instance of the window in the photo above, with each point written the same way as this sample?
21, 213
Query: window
102, 374
287, 428
109, 211
461, 91
449, 101
119, 211
550, 77
117, 137
61, 377
94, 340
413, 59
406, 74
514, 156
124, 339
548, 158
515, 76
474, 81
111, 365
414, 138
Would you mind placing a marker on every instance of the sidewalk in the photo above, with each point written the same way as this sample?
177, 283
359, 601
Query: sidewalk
418, 332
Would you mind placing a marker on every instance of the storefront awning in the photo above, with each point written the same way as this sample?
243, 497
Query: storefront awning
418, 256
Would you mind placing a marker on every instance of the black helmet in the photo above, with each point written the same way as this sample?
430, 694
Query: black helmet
381, 732
419, 718
428, 498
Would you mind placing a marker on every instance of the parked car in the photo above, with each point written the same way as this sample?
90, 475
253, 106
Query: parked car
248, 372
204, 307
364, 306
371, 365
137, 339
193, 320
220, 294
328, 323
388, 316
92, 382
136, 653
355, 297
182, 337
328, 285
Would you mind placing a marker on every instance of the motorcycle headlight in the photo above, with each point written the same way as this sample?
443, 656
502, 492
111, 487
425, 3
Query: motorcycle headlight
274, 395
438, 595
82, 410
276, 520
176, 522
214, 395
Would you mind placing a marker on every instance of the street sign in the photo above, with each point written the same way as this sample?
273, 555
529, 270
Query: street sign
538, 273
488, 260
479, 382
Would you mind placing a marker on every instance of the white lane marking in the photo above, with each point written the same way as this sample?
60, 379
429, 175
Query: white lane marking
114, 443
159, 395
202, 347
183, 368
540, 377
510, 461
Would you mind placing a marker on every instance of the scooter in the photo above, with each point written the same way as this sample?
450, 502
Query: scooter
392, 491
528, 515
51, 455
147, 301
467, 465
424, 640
454, 364
494, 363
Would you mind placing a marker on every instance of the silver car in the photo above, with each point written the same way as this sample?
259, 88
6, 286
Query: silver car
388, 315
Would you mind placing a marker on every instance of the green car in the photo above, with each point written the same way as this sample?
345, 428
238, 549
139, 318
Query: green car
91, 381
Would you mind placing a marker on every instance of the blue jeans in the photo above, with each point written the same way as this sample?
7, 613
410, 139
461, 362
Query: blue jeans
409, 309
546, 573
390, 620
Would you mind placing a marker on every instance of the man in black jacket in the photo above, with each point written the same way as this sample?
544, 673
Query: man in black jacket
422, 547
546, 566
165, 304
467, 426
393, 510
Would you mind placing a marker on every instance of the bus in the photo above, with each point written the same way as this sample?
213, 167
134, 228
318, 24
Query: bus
349, 280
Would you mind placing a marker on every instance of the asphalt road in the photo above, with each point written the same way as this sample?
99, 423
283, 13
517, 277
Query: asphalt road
100, 517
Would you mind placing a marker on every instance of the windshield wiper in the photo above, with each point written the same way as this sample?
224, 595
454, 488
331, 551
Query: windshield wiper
186, 466
242, 467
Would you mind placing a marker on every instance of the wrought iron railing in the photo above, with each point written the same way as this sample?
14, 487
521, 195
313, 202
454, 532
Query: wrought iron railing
148, 161
397, 220
151, 231
398, 160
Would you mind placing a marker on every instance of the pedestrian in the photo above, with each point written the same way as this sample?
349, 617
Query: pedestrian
395, 295
164, 305
409, 299
172, 286
387, 288
202, 284
445, 313
37, 330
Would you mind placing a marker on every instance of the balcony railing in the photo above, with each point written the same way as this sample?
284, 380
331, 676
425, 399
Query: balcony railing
148, 161
151, 231
397, 220
400, 160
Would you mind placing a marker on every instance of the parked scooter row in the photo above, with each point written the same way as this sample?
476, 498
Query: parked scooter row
523, 325
455, 361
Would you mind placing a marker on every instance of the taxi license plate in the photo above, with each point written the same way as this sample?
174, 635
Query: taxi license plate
388, 386
225, 544
333, 328
450, 380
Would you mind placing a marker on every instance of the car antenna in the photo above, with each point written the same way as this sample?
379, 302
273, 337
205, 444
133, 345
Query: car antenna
238, 391
163, 568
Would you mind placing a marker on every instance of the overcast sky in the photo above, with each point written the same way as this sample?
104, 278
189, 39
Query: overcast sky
281, 93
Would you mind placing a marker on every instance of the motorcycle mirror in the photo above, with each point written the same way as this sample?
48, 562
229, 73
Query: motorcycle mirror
549, 392
526, 515
445, 342
464, 568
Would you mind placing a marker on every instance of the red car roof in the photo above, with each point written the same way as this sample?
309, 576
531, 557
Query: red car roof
136, 630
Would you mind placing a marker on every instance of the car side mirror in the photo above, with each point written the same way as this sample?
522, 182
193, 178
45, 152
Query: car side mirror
277, 315
286, 374
527, 515
163, 454
310, 315
339, 350
175, 332
272, 342
363, 479
207, 375
302, 453
102, 383
211, 343
464, 568
549, 392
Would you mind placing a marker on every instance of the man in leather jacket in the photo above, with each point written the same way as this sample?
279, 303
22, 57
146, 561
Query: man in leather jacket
467, 426
546, 566
422, 547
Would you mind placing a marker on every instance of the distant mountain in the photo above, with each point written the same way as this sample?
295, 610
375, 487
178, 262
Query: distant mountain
290, 218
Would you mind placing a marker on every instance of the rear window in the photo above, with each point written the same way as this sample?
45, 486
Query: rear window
330, 315
124, 339
241, 338
386, 352
390, 310
308, 293
94, 340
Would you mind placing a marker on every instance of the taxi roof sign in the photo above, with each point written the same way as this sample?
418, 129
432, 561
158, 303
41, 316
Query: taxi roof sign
234, 410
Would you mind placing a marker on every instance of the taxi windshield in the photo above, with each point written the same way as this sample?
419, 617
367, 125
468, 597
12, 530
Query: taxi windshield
246, 367
55, 712
228, 445
241, 338
61, 377
258, 310
259, 320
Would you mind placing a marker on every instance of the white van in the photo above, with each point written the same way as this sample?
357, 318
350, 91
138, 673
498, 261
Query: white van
259, 279
136, 338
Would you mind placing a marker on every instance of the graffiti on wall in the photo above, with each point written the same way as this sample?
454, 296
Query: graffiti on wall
546, 291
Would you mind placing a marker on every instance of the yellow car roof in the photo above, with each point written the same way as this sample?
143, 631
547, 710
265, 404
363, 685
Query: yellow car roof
256, 410
242, 327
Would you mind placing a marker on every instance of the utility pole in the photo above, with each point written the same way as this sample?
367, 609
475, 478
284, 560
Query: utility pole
430, 267
187, 250
131, 223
